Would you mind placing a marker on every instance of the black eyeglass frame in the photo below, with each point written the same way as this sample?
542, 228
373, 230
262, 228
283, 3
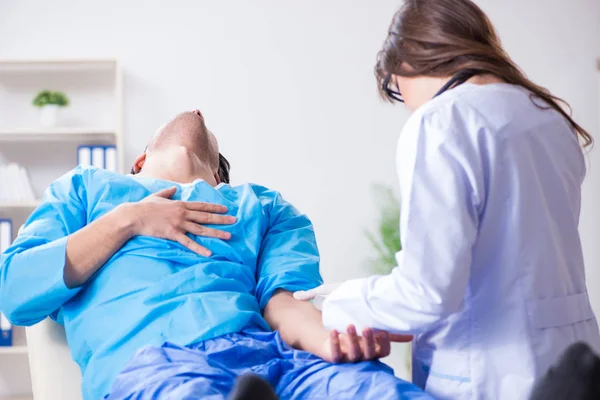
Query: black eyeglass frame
391, 93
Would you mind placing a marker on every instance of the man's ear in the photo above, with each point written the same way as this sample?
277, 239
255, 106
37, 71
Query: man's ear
138, 164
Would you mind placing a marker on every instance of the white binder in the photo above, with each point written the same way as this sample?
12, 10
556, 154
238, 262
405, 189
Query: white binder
98, 157
5, 234
111, 158
5, 331
84, 155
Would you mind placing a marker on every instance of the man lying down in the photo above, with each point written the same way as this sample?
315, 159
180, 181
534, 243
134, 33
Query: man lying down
151, 314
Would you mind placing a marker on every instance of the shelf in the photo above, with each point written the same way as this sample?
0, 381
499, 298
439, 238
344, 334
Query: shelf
4, 350
17, 204
17, 398
55, 134
57, 65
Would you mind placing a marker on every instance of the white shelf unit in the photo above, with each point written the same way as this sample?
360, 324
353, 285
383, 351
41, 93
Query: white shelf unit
13, 350
23, 205
93, 117
57, 134
17, 398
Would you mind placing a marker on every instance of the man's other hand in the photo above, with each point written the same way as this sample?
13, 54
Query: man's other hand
159, 216
349, 347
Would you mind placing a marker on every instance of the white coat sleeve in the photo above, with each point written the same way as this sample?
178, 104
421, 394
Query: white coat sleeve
440, 182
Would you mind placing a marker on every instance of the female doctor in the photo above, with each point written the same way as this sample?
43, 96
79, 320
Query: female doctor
491, 277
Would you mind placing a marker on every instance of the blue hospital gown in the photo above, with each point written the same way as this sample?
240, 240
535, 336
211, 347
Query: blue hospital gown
154, 291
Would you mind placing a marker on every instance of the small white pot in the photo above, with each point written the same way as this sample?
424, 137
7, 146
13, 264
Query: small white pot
49, 115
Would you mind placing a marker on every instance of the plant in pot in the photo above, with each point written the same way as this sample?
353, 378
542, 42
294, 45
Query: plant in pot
49, 103
386, 238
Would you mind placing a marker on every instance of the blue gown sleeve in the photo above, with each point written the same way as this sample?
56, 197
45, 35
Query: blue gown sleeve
32, 286
289, 256
441, 171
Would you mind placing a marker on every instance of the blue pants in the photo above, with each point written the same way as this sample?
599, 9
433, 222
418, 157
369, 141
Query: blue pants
207, 370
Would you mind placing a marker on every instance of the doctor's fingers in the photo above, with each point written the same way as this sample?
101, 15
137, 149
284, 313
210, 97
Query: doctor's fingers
203, 217
304, 295
199, 230
401, 338
310, 294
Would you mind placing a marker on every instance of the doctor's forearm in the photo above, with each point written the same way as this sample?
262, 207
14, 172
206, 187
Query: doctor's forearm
390, 303
89, 248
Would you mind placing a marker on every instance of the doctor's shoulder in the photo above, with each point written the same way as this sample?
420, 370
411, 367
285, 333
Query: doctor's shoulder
440, 120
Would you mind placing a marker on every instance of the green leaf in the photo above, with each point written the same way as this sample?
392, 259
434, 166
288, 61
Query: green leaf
386, 238
46, 97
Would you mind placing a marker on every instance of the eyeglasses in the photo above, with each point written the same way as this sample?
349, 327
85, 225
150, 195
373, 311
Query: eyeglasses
391, 93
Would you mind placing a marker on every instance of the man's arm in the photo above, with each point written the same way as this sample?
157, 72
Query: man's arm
91, 247
299, 324
289, 261
56, 253
31, 271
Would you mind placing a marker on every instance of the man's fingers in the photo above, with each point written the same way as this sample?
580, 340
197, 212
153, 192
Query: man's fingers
166, 193
201, 217
205, 207
369, 344
354, 345
203, 231
192, 245
383, 340
336, 351
401, 338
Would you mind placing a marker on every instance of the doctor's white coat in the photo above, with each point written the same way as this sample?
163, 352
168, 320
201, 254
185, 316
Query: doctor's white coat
491, 277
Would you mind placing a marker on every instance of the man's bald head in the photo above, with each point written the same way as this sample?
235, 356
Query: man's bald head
188, 130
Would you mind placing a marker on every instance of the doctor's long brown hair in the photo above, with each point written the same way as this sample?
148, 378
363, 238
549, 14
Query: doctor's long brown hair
443, 37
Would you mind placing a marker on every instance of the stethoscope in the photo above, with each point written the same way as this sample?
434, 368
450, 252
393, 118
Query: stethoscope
458, 79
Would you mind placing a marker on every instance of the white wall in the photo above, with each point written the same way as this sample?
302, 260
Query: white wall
288, 88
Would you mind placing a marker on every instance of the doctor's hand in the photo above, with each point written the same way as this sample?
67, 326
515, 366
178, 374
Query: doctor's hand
323, 290
349, 347
159, 216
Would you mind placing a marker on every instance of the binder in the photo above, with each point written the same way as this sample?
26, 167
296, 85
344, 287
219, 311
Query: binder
98, 157
5, 234
84, 155
3, 184
15, 184
5, 332
28, 189
110, 158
